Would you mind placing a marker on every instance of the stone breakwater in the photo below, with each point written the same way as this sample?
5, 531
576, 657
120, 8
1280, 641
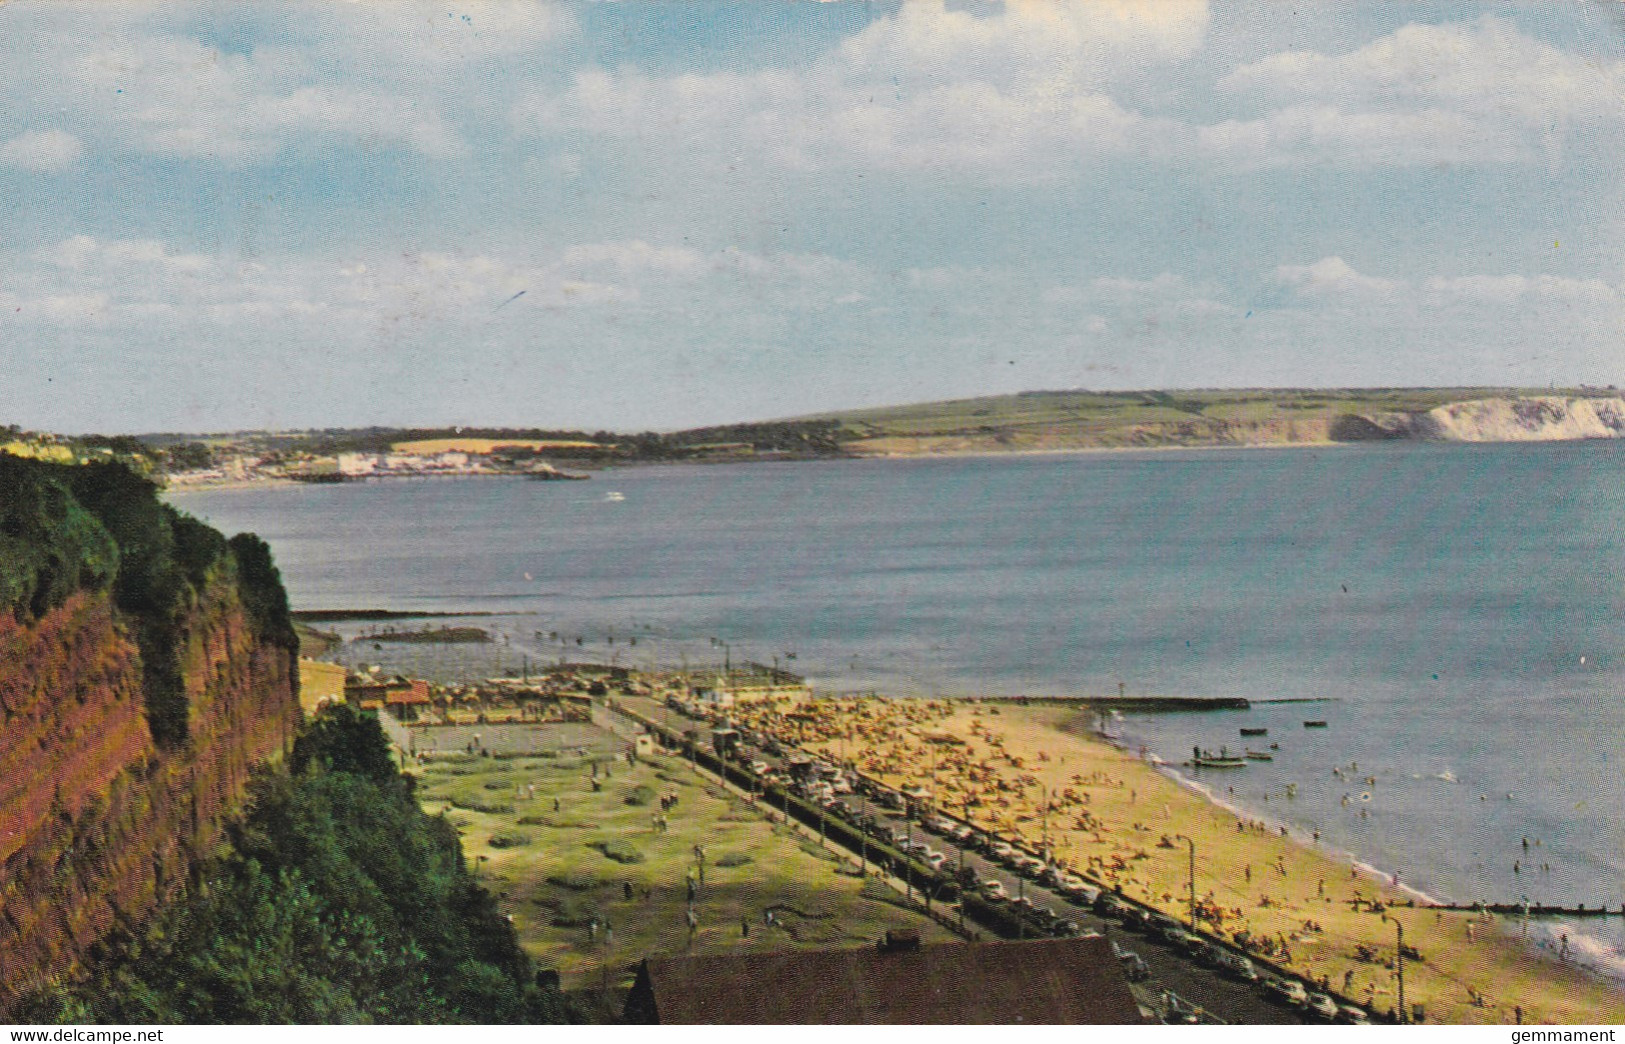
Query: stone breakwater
100, 823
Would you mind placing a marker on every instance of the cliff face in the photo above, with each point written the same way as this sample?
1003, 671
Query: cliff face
144, 670
1543, 418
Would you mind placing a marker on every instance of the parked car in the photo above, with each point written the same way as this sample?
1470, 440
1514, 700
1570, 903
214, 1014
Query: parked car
1134, 966
1193, 946
1136, 918
935, 859
1109, 905
1164, 929
993, 891
1080, 893
1321, 1006
1000, 851
1286, 991
1234, 965
1349, 1015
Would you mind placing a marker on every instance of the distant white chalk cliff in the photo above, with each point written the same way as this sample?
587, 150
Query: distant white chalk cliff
1536, 418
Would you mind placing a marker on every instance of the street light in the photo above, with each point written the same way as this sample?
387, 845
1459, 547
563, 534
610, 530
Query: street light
1043, 792
1399, 964
908, 864
863, 832
1192, 844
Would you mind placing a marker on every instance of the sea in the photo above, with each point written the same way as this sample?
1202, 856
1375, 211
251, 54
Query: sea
1455, 614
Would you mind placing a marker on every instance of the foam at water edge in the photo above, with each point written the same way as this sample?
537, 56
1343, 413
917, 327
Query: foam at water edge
1275, 825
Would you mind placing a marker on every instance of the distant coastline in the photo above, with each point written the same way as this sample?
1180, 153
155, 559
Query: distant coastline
1028, 423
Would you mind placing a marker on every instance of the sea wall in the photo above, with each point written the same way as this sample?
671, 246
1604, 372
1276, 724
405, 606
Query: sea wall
102, 816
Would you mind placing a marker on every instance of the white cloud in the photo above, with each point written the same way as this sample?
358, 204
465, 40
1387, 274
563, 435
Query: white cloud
411, 33
41, 150
175, 95
1332, 277
88, 253
1038, 46
135, 281
1312, 133
1507, 290
1018, 92
1426, 93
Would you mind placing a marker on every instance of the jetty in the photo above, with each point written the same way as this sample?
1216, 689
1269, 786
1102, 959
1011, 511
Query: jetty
1532, 909
1131, 704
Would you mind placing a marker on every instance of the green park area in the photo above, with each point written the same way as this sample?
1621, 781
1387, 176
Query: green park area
595, 873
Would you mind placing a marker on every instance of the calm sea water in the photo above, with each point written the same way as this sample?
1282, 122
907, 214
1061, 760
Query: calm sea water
1461, 609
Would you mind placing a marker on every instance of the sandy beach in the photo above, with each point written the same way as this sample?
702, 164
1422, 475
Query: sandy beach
1123, 821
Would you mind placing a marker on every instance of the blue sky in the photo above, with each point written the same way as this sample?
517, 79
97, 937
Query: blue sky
641, 215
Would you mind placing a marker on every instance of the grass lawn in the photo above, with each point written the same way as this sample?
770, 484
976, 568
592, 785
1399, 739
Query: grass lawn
555, 871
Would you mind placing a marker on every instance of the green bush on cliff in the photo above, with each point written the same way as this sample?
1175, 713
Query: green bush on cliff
50, 546
65, 528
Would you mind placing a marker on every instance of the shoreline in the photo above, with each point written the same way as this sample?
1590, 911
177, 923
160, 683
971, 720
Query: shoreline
1610, 965
1319, 909
1607, 970
941, 454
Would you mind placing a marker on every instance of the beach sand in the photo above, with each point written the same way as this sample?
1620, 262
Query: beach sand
1123, 821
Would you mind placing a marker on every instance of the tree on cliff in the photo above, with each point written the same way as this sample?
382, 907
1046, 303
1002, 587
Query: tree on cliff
50, 546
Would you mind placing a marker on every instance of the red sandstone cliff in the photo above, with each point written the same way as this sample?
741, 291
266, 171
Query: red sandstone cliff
98, 824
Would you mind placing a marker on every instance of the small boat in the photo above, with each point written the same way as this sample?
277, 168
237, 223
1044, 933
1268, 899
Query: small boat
1260, 755
1223, 759
1314, 724
614, 497
1255, 732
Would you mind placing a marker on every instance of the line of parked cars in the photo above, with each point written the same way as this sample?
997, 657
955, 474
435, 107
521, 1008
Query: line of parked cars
826, 792
1238, 966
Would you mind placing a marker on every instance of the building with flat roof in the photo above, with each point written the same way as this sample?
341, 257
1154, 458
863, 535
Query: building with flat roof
899, 982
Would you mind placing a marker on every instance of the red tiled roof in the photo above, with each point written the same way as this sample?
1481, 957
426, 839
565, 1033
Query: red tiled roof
1041, 982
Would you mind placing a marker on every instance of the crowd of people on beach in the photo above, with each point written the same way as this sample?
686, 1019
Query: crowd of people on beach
1088, 818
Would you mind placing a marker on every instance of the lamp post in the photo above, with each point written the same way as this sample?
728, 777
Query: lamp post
1399, 967
1043, 792
1192, 845
908, 864
863, 832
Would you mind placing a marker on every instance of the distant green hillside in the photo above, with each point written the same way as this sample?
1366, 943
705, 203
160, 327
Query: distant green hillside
1039, 420
1086, 419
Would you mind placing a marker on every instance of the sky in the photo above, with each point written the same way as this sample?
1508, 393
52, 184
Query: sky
639, 215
